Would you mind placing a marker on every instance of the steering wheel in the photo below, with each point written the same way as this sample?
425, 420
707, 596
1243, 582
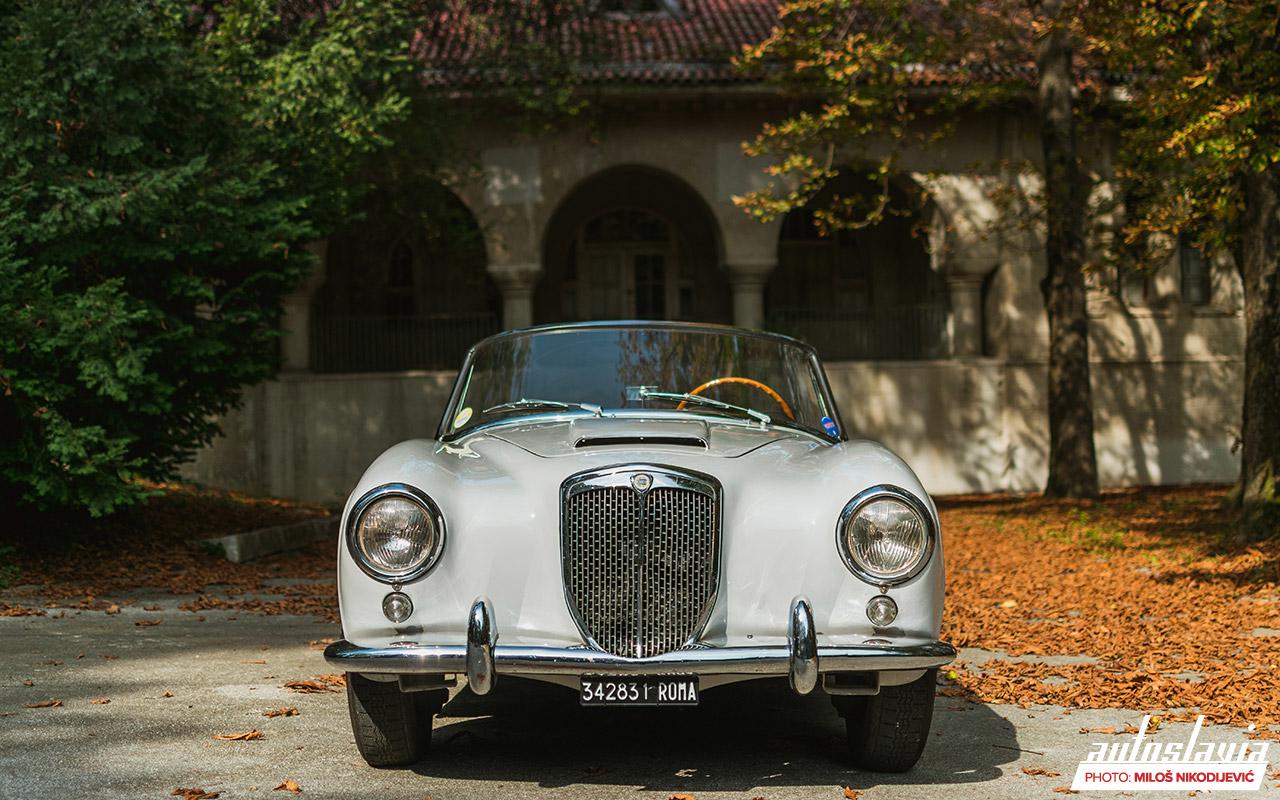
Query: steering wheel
752, 382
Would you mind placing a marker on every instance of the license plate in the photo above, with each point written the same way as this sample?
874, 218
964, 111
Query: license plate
639, 690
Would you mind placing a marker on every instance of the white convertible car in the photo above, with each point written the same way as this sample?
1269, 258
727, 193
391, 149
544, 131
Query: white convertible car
641, 512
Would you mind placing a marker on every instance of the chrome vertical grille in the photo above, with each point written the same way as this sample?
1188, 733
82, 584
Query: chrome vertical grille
640, 564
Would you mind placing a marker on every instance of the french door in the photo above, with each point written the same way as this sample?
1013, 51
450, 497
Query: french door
628, 282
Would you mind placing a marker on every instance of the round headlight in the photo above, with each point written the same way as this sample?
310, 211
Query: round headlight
884, 536
397, 533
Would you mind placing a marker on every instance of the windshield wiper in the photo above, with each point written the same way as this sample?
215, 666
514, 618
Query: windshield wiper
529, 403
698, 399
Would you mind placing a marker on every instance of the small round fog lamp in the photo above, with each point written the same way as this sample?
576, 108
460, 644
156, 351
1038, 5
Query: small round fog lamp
882, 611
397, 606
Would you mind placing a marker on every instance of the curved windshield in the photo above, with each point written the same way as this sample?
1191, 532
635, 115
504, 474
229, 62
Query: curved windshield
608, 370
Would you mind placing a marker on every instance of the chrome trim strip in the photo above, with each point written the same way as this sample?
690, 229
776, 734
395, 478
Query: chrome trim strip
803, 646
481, 640
663, 476
531, 660
637, 414
401, 490
855, 505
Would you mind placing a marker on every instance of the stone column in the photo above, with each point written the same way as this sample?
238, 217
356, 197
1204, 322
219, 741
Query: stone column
966, 315
295, 321
746, 281
516, 282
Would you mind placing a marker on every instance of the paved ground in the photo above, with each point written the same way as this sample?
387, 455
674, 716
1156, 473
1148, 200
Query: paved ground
528, 740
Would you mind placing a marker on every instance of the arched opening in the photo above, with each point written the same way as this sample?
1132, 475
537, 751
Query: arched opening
632, 243
860, 294
405, 287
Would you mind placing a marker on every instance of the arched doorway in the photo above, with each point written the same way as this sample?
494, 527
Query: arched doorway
632, 243
406, 287
628, 264
859, 294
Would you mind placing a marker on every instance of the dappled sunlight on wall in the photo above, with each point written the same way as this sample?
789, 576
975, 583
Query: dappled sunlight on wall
975, 425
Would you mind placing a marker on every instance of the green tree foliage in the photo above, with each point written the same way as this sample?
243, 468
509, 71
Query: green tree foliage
876, 78
856, 67
161, 167
1200, 156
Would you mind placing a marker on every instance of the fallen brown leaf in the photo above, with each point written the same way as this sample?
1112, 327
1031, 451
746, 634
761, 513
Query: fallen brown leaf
1048, 773
194, 794
7, 610
151, 608
44, 704
852, 794
115, 609
253, 661
143, 623
28, 683
1065, 790
100, 701
290, 711
288, 785
1108, 729
320, 683
308, 687
681, 797
244, 736
167, 694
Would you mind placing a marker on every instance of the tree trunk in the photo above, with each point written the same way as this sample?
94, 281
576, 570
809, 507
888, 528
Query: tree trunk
1073, 466
1259, 265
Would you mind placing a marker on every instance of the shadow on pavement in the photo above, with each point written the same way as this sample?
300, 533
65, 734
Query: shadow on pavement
743, 736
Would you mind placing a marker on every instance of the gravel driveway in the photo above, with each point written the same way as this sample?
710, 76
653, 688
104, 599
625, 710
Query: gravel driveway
527, 740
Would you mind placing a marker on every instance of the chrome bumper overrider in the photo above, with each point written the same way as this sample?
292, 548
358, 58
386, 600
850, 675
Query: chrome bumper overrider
482, 658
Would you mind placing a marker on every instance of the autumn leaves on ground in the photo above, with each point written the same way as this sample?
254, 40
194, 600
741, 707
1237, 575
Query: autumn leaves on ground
1176, 619
1164, 612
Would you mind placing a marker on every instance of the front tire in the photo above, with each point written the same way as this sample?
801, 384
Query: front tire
887, 732
392, 728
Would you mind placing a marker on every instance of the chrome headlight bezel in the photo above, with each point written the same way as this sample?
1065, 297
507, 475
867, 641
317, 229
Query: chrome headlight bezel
850, 512
414, 495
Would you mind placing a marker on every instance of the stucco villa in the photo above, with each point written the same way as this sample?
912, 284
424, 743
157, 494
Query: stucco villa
931, 324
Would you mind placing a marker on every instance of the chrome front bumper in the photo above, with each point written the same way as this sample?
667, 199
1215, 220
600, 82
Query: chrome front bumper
482, 658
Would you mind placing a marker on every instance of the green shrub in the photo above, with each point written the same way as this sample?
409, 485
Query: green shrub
159, 172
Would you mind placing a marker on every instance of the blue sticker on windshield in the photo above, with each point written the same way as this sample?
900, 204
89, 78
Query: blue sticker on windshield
829, 425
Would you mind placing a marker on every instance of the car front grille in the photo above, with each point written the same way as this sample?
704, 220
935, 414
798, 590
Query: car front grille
640, 564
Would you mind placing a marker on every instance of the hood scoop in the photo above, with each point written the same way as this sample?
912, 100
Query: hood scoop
641, 439
610, 436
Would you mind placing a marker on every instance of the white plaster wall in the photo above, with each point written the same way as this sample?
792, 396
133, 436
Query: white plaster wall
964, 426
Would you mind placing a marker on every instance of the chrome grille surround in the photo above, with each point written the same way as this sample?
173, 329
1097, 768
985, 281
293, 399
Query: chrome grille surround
641, 566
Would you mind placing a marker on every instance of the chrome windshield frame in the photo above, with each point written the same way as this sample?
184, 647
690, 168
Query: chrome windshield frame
464, 374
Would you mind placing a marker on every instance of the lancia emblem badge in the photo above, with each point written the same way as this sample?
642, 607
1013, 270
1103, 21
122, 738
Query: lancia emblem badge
641, 481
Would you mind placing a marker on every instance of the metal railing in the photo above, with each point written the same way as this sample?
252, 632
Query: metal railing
390, 344
881, 334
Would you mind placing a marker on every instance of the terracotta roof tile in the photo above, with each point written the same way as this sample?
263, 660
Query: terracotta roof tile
694, 47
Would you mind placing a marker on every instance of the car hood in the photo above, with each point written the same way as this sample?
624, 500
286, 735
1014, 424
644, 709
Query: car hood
526, 462
589, 435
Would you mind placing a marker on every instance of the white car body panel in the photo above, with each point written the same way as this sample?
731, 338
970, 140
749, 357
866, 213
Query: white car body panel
498, 490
